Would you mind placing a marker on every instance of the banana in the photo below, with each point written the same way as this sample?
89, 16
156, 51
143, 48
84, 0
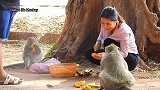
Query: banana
79, 84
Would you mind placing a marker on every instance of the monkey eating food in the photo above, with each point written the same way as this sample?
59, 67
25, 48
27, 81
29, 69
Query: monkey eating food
32, 52
114, 73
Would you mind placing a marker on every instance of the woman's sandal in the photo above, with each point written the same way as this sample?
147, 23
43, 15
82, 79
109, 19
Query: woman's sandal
11, 80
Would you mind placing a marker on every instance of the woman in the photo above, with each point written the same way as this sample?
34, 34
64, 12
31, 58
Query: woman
8, 9
115, 30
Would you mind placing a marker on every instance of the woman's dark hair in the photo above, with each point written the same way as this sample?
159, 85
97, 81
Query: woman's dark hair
111, 14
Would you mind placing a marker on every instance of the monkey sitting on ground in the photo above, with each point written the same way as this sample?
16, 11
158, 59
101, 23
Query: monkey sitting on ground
114, 73
32, 52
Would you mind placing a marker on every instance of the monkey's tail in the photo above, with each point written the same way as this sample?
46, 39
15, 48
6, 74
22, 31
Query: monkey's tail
142, 63
14, 65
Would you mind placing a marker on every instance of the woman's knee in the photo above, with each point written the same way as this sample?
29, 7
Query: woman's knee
132, 61
108, 41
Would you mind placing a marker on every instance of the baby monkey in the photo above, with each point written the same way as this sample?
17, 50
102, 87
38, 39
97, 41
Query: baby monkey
114, 73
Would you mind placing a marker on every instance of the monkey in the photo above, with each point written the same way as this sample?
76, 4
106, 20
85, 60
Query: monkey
114, 74
32, 53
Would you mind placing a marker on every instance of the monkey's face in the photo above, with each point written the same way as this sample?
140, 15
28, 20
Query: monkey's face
32, 42
111, 48
31, 46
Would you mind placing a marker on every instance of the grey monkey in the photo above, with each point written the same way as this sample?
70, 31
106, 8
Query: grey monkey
114, 73
32, 52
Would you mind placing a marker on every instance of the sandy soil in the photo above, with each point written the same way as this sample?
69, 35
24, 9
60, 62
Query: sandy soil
12, 53
40, 81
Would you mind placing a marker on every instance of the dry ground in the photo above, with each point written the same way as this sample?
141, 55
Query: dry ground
40, 81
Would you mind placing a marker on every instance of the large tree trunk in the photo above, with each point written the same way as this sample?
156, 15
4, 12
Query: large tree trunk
82, 26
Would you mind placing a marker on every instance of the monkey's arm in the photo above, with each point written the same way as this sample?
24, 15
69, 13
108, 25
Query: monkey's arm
37, 49
27, 62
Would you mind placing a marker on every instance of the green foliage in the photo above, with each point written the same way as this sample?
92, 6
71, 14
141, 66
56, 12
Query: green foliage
50, 51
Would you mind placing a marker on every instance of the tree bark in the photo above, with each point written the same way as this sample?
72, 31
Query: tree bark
82, 26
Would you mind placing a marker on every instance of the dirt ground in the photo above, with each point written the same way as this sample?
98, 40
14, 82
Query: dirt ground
12, 53
40, 81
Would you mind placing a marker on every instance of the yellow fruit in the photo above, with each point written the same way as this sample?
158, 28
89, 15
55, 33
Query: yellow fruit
86, 87
93, 85
79, 84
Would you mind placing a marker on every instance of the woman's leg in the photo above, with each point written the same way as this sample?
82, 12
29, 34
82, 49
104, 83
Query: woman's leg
132, 61
2, 72
4, 21
6, 17
12, 14
108, 41
90, 58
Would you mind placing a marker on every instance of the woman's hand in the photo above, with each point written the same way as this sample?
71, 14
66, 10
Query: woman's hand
97, 46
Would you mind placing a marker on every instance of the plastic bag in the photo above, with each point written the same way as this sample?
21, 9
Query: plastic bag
43, 68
